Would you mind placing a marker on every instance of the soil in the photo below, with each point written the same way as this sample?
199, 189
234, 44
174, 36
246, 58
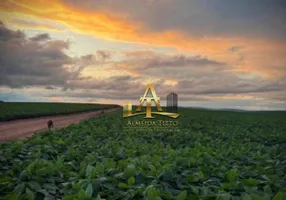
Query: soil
23, 128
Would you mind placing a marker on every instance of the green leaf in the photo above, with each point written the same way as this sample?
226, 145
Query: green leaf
89, 190
98, 197
255, 197
201, 175
191, 178
223, 196
246, 197
194, 190
99, 168
280, 196
192, 197
60, 141
30, 194
81, 195
12, 196
152, 193
131, 181
226, 186
182, 195
231, 175
88, 171
130, 171
19, 188
267, 189
4, 180
49, 198
167, 175
34, 186
122, 185
24, 175
251, 182
152, 167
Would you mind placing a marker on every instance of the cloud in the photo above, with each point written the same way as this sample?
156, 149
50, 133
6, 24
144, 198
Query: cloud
50, 87
181, 60
40, 37
230, 85
25, 62
139, 53
193, 77
208, 29
18, 21
171, 67
147, 60
39, 61
104, 55
157, 61
119, 96
234, 49
198, 17
55, 98
113, 83
191, 89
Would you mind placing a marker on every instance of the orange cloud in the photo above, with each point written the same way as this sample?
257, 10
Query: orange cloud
110, 26
138, 53
257, 56
23, 24
55, 98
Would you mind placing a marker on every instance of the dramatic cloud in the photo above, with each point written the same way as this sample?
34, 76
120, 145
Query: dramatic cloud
113, 83
173, 61
234, 49
206, 51
39, 61
198, 27
50, 87
171, 67
25, 62
230, 85
40, 37
217, 18
103, 55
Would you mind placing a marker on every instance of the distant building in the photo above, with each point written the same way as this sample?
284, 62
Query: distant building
172, 102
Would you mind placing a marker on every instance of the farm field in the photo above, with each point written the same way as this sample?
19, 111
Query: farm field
23, 110
219, 155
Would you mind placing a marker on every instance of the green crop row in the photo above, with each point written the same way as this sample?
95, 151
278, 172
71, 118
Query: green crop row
215, 155
22, 110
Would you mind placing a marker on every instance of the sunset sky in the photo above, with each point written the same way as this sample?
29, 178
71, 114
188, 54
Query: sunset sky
212, 53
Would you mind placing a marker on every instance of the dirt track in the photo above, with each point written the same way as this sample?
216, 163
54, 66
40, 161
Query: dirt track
19, 129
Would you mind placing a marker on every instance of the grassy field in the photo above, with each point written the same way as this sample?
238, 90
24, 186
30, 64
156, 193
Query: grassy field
216, 155
22, 110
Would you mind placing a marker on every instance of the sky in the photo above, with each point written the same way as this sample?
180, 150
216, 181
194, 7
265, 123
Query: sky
212, 53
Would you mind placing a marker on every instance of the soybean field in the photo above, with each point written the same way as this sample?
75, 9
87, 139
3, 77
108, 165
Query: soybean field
216, 155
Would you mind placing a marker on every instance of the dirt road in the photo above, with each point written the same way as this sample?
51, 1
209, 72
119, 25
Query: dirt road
19, 129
